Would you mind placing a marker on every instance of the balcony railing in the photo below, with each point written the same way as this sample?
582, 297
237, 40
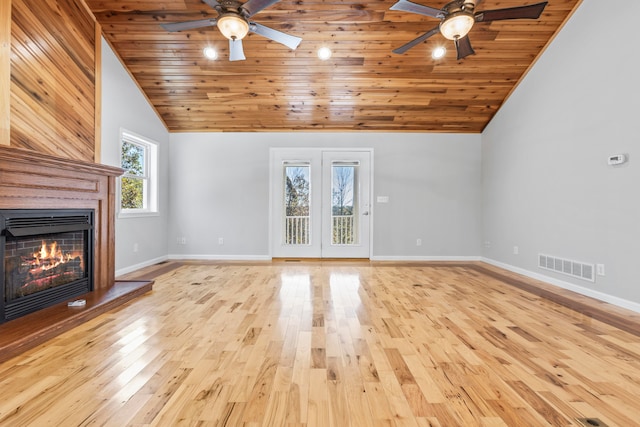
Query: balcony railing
342, 232
297, 230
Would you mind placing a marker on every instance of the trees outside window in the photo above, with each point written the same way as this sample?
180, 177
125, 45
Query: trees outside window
135, 178
297, 191
342, 190
296, 200
342, 203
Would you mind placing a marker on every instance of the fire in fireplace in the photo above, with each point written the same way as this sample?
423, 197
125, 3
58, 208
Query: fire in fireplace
47, 258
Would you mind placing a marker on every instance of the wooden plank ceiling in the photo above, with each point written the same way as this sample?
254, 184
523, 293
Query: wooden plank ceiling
364, 86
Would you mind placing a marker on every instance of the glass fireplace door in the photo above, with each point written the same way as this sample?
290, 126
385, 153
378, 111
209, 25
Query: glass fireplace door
47, 258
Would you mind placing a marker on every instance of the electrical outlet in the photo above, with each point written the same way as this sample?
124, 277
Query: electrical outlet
600, 269
220, 241
135, 247
516, 250
487, 244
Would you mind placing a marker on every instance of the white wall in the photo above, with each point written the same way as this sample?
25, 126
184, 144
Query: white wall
546, 183
124, 106
220, 188
218, 185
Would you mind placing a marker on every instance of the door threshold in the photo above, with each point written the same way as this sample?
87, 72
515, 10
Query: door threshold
291, 259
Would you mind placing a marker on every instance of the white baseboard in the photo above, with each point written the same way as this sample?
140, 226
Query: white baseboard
620, 302
426, 258
135, 267
220, 257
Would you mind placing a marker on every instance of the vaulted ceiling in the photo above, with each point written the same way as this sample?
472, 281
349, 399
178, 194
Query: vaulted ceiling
363, 86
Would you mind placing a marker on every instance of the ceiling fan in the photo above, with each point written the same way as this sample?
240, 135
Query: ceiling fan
233, 22
457, 18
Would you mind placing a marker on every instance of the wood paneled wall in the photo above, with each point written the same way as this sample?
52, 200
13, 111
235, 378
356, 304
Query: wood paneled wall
52, 77
5, 70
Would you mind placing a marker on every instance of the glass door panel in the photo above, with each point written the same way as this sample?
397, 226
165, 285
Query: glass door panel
344, 220
296, 200
345, 217
297, 219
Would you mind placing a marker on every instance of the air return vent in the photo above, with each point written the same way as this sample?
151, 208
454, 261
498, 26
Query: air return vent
578, 269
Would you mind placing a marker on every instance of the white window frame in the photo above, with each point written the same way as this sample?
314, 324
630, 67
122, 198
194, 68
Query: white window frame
150, 176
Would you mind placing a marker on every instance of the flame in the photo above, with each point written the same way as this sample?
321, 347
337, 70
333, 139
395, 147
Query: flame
51, 257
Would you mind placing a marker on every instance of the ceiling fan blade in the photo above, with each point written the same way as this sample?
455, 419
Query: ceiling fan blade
532, 11
236, 52
254, 6
189, 25
463, 47
417, 41
213, 3
407, 6
291, 42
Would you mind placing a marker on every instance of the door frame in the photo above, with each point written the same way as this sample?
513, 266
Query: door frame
274, 173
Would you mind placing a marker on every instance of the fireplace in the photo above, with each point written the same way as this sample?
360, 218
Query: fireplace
47, 257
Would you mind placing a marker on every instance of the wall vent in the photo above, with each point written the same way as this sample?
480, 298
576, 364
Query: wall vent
578, 269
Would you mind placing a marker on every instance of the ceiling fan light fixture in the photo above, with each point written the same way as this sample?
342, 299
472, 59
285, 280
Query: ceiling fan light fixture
457, 25
233, 26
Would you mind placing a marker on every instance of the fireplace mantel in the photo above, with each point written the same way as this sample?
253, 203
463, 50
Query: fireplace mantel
30, 180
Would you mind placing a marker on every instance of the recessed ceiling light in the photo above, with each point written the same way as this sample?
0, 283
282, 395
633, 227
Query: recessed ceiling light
438, 52
324, 53
210, 53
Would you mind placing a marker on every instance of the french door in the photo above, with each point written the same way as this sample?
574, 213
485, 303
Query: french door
320, 203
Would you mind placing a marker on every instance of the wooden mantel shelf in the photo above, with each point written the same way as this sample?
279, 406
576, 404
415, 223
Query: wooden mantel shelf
18, 155
20, 335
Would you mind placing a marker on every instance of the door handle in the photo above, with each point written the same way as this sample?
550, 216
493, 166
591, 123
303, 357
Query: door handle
365, 213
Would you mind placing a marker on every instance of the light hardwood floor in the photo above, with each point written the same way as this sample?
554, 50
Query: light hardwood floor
329, 344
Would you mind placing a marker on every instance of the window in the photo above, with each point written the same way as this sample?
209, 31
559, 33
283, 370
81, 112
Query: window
343, 201
296, 200
138, 184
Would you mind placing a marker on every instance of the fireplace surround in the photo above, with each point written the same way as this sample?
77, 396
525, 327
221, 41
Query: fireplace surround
46, 257
36, 182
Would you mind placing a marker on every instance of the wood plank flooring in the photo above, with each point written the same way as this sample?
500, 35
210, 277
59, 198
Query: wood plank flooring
329, 344
26, 332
